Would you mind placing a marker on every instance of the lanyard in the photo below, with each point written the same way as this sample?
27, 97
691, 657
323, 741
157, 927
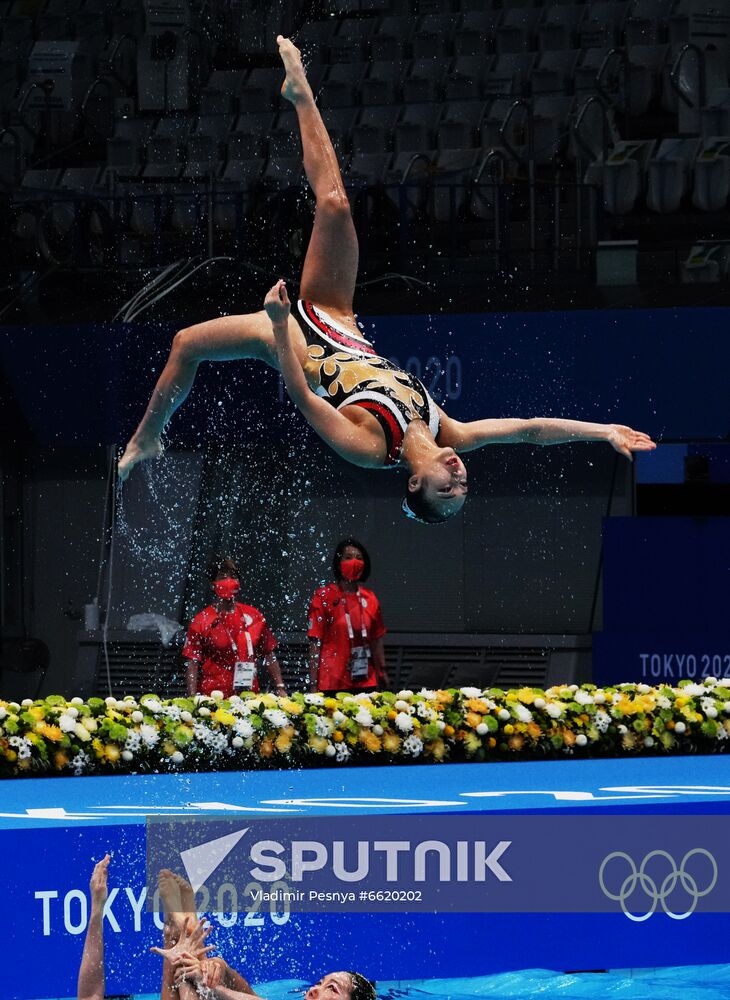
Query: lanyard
363, 630
234, 644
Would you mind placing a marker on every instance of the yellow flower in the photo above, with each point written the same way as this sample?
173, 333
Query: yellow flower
112, 752
37, 712
60, 760
11, 756
369, 740
392, 714
472, 719
516, 742
292, 707
509, 729
317, 743
330, 704
391, 742
266, 747
436, 749
24, 764
472, 742
52, 733
568, 737
534, 730
169, 747
449, 730
491, 743
224, 718
338, 736
526, 696
98, 747
284, 740
476, 705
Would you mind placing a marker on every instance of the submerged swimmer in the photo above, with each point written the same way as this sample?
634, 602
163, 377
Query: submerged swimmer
369, 411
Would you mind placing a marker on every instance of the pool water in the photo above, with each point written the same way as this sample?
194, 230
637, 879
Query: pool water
692, 982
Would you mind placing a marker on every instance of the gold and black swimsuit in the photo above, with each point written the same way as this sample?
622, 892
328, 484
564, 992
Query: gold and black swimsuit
346, 371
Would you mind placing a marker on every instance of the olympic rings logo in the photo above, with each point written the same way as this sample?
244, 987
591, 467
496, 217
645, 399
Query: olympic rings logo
658, 893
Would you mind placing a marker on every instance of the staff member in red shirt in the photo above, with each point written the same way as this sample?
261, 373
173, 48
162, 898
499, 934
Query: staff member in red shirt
346, 627
227, 641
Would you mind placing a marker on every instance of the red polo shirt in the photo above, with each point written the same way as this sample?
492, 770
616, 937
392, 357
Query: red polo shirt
327, 623
217, 639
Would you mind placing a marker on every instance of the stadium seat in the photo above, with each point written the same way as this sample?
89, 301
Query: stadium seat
283, 171
646, 22
415, 129
707, 262
458, 127
454, 171
374, 131
475, 35
467, 77
678, 23
558, 29
412, 173
262, 90
165, 148
423, 81
284, 136
369, 168
551, 116
554, 72
125, 149
587, 70
517, 29
433, 38
352, 42
602, 24
712, 175
510, 74
715, 118
206, 145
669, 174
383, 83
341, 86
221, 94
313, 40
689, 79
645, 75
392, 39
623, 175
251, 132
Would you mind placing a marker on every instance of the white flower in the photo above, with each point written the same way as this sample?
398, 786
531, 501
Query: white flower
404, 694
616, 697
342, 752
89, 723
440, 723
622, 730
680, 728
363, 718
177, 757
323, 727
724, 682
13, 706
649, 741
149, 734
554, 710
504, 714
583, 698
3, 712
72, 711
80, 762
711, 712
244, 729
77, 701
643, 688
602, 720
185, 717
378, 730
110, 702
721, 733
133, 742
710, 682
404, 722
205, 712
412, 746
726, 707
338, 717
329, 750
424, 711
522, 713
237, 742
663, 702
66, 723
127, 755
314, 699
27, 702
469, 692
428, 695
137, 717
482, 729
599, 697
581, 740
276, 717
217, 695
539, 703
402, 706
692, 690
153, 705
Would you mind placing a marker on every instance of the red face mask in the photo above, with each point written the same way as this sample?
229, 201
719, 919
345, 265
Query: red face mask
227, 588
351, 569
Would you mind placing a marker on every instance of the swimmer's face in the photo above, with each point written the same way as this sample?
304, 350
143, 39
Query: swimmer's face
333, 986
443, 482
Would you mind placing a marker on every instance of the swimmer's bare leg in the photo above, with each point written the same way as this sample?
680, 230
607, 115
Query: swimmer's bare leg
330, 266
230, 338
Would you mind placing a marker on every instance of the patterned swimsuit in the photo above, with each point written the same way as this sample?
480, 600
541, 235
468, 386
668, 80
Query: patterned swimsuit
346, 371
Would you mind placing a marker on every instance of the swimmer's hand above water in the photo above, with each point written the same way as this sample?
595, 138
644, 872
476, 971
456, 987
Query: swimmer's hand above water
626, 441
277, 305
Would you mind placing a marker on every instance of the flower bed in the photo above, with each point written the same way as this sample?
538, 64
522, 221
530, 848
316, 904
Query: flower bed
97, 736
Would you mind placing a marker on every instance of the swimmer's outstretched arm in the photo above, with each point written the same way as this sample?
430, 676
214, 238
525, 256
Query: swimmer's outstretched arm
354, 444
540, 430
91, 973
